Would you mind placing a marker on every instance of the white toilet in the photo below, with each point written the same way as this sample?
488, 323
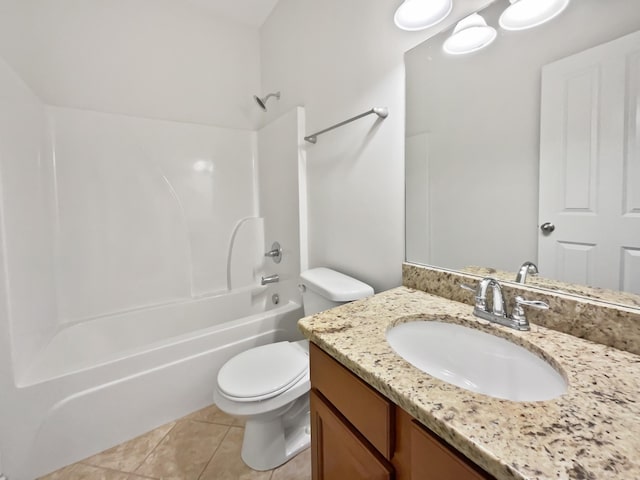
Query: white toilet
269, 385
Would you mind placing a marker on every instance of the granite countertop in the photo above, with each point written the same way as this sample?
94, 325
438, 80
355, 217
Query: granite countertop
591, 432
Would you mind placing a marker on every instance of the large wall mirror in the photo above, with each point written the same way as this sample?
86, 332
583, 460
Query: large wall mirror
542, 126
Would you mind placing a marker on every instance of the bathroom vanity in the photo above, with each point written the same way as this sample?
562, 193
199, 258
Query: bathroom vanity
361, 435
375, 416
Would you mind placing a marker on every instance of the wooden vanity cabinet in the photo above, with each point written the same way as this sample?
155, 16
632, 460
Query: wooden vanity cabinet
358, 434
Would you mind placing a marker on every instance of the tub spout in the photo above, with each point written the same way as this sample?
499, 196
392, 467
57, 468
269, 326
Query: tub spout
270, 279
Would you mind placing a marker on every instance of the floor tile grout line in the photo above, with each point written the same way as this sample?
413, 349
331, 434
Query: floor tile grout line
115, 470
215, 451
175, 423
215, 423
85, 462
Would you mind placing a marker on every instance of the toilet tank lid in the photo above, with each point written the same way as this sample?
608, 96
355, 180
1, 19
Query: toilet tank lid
335, 286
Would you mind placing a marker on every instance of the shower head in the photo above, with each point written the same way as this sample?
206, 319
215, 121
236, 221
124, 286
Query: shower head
262, 102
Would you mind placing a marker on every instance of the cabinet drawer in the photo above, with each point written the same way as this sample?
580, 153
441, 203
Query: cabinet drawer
368, 411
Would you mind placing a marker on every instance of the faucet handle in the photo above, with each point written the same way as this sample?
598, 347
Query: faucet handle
480, 300
465, 286
539, 304
275, 253
518, 314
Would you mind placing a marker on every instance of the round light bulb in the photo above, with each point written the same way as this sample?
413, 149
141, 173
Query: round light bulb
420, 14
470, 35
523, 14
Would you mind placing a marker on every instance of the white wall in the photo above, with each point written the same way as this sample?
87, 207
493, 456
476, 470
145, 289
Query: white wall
165, 59
339, 59
482, 114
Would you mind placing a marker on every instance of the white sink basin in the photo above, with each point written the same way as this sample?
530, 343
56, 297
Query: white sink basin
476, 361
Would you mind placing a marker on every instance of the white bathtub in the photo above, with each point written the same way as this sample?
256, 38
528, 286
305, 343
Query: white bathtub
109, 379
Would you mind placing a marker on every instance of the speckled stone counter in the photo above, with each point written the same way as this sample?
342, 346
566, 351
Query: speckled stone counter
591, 432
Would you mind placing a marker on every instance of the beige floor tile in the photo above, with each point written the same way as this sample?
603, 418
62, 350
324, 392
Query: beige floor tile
128, 456
213, 414
184, 452
79, 471
226, 464
298, 468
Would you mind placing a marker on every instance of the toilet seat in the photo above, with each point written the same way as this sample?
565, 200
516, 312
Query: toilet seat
263, 372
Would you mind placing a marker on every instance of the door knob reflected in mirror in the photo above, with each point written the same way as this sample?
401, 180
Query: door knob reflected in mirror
547, 228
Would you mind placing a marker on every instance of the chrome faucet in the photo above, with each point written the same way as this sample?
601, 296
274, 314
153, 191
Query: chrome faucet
498, 308
498, 313
526, 268
270, 279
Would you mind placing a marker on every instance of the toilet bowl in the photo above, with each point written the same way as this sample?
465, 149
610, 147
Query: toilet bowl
269, 386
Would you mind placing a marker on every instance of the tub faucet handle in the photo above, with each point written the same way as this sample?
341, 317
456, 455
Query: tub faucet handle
275, 253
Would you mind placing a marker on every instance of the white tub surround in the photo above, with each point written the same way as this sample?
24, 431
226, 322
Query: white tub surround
132, 251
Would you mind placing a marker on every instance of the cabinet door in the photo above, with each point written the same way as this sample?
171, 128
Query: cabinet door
362, 407
337, 451
432, 460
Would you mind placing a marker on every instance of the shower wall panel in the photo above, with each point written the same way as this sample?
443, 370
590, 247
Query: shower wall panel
279, 147
144, 209
26, 223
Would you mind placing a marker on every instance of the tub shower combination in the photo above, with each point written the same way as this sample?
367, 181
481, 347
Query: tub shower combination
137, 370
132, 262
102, 381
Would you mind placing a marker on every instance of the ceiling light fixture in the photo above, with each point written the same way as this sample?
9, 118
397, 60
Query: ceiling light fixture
420, 14
523, 14
470, 35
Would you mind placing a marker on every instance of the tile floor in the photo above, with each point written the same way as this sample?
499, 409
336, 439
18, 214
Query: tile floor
202, 446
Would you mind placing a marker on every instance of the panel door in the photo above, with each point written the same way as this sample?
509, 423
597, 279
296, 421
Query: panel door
590, 167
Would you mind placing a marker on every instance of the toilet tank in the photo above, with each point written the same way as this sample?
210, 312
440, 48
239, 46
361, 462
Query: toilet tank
323, 288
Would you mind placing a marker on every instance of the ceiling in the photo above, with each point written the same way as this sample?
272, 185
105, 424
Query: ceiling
248, 12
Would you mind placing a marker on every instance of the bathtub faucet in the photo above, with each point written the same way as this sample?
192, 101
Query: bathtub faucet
270, 279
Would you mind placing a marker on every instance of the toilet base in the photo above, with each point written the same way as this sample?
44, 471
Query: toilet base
269, 443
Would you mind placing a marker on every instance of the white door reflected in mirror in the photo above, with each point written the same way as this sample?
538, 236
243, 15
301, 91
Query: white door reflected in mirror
590, 167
